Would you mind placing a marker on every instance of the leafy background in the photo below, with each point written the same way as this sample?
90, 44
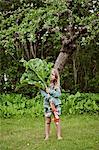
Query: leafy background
34, 29
15, 105
31, 29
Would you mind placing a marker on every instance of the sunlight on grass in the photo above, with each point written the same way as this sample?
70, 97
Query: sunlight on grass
79, 133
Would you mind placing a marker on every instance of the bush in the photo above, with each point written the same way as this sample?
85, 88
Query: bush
16, 105
80, 103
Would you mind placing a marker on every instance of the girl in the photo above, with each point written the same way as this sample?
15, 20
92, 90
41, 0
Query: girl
52, 104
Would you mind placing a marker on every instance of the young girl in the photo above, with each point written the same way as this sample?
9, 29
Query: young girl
52, 104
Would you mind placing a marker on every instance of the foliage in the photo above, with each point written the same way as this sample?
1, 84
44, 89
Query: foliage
37, 73
27, 22
16, 105
80, 103
14, 4
34, 29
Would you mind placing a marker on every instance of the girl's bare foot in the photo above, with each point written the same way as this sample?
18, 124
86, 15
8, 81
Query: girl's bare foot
46, 138
59, 138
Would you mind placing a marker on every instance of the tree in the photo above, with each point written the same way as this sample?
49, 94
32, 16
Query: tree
30, 30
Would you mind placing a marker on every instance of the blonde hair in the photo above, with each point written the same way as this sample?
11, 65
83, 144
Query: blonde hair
56, 81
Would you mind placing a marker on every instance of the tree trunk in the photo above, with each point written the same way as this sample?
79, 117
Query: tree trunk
74, 69
68, 47
32, 50
26, 50
61, 60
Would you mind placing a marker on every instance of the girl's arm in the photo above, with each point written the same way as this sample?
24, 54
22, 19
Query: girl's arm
52, 106
54, 110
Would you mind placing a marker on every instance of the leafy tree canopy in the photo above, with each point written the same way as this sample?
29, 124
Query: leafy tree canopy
28, 22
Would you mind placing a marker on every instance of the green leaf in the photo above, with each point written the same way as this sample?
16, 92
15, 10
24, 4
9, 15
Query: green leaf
37, 72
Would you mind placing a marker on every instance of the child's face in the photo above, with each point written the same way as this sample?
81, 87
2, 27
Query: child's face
52, 75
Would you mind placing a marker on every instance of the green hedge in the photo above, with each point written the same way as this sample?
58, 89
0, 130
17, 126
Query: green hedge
16, 105
80, 103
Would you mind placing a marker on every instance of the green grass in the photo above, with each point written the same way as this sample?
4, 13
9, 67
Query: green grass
79, 133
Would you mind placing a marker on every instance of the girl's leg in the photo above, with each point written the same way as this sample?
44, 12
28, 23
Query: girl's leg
58, 129
47, 127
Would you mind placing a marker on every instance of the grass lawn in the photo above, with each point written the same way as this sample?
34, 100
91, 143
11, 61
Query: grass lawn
79, 133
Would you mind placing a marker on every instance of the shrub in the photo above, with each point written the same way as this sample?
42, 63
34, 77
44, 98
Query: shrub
80, 103
16, 105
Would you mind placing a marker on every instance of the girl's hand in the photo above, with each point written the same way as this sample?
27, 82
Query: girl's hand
47, 90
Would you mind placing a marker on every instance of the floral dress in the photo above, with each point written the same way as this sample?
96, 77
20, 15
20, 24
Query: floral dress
53, 97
